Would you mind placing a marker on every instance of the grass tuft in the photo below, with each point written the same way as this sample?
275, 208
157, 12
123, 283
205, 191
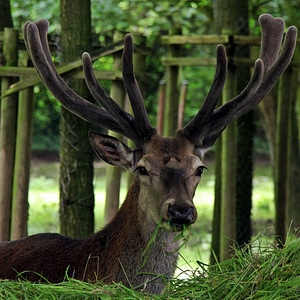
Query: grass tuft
263, 272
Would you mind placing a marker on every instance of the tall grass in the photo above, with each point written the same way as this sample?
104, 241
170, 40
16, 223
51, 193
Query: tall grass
267, 273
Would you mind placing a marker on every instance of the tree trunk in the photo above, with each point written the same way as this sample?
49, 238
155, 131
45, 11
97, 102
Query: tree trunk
228, 178
281, 156
231, 17
293, 210
7, 134
244, 174
5, 15
76, 157
216, 224
22, 159
268, 112
245, 135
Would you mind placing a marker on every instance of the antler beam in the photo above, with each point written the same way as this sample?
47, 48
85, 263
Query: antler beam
111, 116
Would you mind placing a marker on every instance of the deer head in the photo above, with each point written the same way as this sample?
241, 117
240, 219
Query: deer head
168, 169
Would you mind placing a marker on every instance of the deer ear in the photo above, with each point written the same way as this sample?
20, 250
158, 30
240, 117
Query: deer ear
111, 150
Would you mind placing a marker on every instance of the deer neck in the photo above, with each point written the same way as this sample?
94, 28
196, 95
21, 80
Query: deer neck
144, 246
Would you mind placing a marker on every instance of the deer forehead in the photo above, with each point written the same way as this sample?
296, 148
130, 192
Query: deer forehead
170, 153
159, 164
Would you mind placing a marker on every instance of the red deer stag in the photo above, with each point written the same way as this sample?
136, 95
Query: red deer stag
166, 170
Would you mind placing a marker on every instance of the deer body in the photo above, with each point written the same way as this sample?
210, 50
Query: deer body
121, 252
115, 254
138, 246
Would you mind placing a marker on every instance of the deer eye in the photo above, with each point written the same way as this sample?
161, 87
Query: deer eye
141, 170
199, 171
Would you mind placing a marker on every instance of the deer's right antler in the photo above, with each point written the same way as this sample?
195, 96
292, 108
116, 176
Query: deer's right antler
267, 70
111, 116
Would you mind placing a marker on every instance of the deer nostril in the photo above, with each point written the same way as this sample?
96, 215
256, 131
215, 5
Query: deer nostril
182, 214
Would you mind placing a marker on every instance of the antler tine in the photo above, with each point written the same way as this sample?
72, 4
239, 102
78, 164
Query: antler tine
267, 71
245, 101
125, 120
192, 128
224, 114
142, 123
35, 35
271, 38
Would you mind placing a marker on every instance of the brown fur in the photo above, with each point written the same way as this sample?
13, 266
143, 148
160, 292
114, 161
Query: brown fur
121, 251
114, 254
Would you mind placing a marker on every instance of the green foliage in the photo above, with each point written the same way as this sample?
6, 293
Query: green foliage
25, 10
261, 273
149, 17
46, 120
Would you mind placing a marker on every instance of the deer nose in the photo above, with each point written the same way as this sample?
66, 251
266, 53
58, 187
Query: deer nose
182, 214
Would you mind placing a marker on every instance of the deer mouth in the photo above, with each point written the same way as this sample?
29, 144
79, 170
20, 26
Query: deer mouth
175, 226
178, 226
181, 216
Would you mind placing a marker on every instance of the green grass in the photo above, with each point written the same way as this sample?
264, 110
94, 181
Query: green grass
266, 273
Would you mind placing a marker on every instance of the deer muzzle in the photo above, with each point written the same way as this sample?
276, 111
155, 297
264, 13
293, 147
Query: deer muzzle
181, 215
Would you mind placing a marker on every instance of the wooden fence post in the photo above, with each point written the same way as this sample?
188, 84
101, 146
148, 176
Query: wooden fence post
22, 159
161, 107
172, 89
181, 104
7, 133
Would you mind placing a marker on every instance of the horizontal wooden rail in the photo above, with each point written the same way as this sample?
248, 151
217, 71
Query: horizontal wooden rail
194, 39
100, 75
206, 61
34, 79
210, 40
188, 61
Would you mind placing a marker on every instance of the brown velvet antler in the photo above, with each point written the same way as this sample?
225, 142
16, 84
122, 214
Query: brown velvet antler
267, 70
112, 117
209, 122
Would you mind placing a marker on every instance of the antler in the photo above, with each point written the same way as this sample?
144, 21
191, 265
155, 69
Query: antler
209, 122
111, 116
267, 70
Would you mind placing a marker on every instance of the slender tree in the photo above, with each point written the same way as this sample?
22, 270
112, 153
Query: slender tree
8, 116
76, 168
5, 15
281, 156
245, 136
293, 209
233, 192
